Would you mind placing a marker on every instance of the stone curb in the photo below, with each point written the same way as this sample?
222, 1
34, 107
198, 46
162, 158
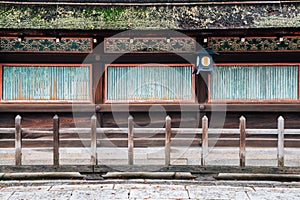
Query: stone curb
255, 176
41, 175
150, 175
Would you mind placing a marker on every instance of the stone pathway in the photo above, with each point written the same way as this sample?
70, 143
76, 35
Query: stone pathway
77, 190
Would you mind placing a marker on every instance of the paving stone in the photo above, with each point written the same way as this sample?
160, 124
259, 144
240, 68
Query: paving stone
132, 186
82, 187
223, 162
180, 161
150, 162
153, 155
7, 161
261, 162
111, 154
100, 194
217, 192
277, 189
5, 195
266, 194
160, 192
24, 188
112, 162
41, 195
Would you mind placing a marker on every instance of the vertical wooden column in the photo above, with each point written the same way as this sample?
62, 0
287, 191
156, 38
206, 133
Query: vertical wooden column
168, 141
130, 140
18, 141
94, 160
280, 149
242, 141
55, 140
204, 140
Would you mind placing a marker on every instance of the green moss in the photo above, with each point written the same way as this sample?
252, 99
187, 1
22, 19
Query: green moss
148, 17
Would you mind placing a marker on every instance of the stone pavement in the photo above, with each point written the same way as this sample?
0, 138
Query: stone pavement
147, 189
153, 156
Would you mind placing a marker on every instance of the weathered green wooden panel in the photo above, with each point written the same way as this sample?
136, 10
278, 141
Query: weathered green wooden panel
254, 83
46, 83
149, 83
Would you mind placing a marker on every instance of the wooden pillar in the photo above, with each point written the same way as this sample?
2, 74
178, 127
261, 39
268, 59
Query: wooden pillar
280, 149
204, 140
168, 141
18, 141
56, 140
242, 141
130, 140
94, 160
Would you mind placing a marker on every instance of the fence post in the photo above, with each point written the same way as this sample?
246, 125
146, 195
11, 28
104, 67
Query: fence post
130, 140
55, 140
168, 141
18, 141
280, 149
94, 160
242, 141
204, 140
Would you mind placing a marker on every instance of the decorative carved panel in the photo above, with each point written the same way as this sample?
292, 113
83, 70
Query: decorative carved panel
149, 45
46, 45
254, 44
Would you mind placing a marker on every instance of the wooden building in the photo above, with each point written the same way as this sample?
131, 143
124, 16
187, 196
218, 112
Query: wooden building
116, 58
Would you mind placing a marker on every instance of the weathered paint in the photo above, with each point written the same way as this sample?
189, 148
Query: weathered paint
46, 83
254, 83
149, 83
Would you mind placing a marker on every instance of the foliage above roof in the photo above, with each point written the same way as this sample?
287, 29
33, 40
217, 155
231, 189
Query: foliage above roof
182, 17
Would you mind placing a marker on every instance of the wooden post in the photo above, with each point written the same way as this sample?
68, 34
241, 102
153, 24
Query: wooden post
168, 141
18, 141
94, 160
130, 140
242, 141
204, 140
55, 140
280, 149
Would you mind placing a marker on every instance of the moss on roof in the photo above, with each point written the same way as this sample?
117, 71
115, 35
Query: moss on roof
149, 17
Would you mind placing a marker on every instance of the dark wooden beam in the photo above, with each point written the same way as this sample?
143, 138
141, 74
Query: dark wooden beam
42, 107
251, 107
256, 32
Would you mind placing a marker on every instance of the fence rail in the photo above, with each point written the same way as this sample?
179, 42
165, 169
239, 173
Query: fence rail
167, 137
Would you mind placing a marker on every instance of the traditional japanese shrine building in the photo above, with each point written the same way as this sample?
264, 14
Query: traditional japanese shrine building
118, 57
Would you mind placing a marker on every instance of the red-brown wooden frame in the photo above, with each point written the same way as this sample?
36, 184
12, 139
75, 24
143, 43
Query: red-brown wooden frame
47, 65
255, 101
193, 100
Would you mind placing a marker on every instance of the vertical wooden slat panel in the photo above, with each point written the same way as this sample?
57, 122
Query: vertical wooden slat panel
280, 149
55, 140
130, 140
46, 83
254, 83
149, 83
242, 141
18, 141
168, 141
204, 140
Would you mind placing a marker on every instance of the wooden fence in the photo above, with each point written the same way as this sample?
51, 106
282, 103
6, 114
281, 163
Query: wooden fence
204, 137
